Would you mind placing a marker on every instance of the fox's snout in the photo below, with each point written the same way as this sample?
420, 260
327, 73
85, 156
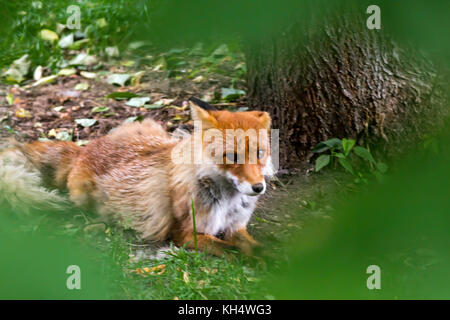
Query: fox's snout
250, 185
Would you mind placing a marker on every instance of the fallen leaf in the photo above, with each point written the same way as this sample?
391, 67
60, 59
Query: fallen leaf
66, 41
48, 35
37, 74
59, 108
221, 51
86, 122
186, 276
77, 45
165, 102
112, 52
132, 119
160, 64
18, 69
83, 86
88, 75
45, 80
67, 72
22, 113
118, 78
157, 270
99, 109
136, 78
83, 59
199, 79
60, 134
127, 63
230, 94
137, 102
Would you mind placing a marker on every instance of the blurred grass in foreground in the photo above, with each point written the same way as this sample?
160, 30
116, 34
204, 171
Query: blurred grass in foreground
401, 225
34, 263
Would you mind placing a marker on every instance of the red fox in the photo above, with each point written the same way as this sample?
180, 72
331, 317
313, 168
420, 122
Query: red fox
131, 176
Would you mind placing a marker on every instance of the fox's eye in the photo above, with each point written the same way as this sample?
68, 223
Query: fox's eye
231, 158
261, 154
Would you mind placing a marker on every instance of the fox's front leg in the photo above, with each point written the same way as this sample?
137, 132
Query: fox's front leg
205, 242
242, 240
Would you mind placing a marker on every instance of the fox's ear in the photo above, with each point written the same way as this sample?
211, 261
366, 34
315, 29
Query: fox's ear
265, 119
199, 114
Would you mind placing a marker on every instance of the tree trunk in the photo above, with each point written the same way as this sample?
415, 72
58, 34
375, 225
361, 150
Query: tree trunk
339, 79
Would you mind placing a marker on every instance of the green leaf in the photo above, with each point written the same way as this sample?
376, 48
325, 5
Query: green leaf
101, 23
48, 35
230, 94
77, 45
99, 109
138, 102
160, 64
221, 51
132, 119
122, 95
347, 145
364, 153
18, 69
382, 167
320, 147
339, 155
10, 98
334, 143
45, 80
346, 164
322, 161
86, 122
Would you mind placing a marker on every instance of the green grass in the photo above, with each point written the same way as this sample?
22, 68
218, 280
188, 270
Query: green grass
186, 274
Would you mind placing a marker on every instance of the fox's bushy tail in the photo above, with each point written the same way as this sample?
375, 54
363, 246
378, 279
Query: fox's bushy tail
30, 175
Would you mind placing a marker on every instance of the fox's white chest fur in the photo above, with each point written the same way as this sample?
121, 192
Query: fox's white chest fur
229, 209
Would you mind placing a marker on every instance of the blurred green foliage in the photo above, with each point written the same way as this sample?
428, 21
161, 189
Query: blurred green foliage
34, 261
183, 23
401, 225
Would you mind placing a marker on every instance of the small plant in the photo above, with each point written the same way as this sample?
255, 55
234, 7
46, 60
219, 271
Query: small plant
346, 153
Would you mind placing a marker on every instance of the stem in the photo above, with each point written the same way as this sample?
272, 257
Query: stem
193, 222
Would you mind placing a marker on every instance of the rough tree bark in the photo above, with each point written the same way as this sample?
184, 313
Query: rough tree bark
339, 79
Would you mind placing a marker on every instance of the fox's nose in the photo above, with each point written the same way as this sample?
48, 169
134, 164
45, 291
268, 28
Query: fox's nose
258, 187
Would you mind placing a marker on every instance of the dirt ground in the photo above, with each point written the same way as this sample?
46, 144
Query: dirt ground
56, 106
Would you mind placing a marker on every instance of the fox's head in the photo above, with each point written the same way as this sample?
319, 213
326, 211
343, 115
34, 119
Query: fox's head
236, 144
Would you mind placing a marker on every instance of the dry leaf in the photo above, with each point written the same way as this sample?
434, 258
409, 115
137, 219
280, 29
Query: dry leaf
157, 270
22, 113
186, 276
